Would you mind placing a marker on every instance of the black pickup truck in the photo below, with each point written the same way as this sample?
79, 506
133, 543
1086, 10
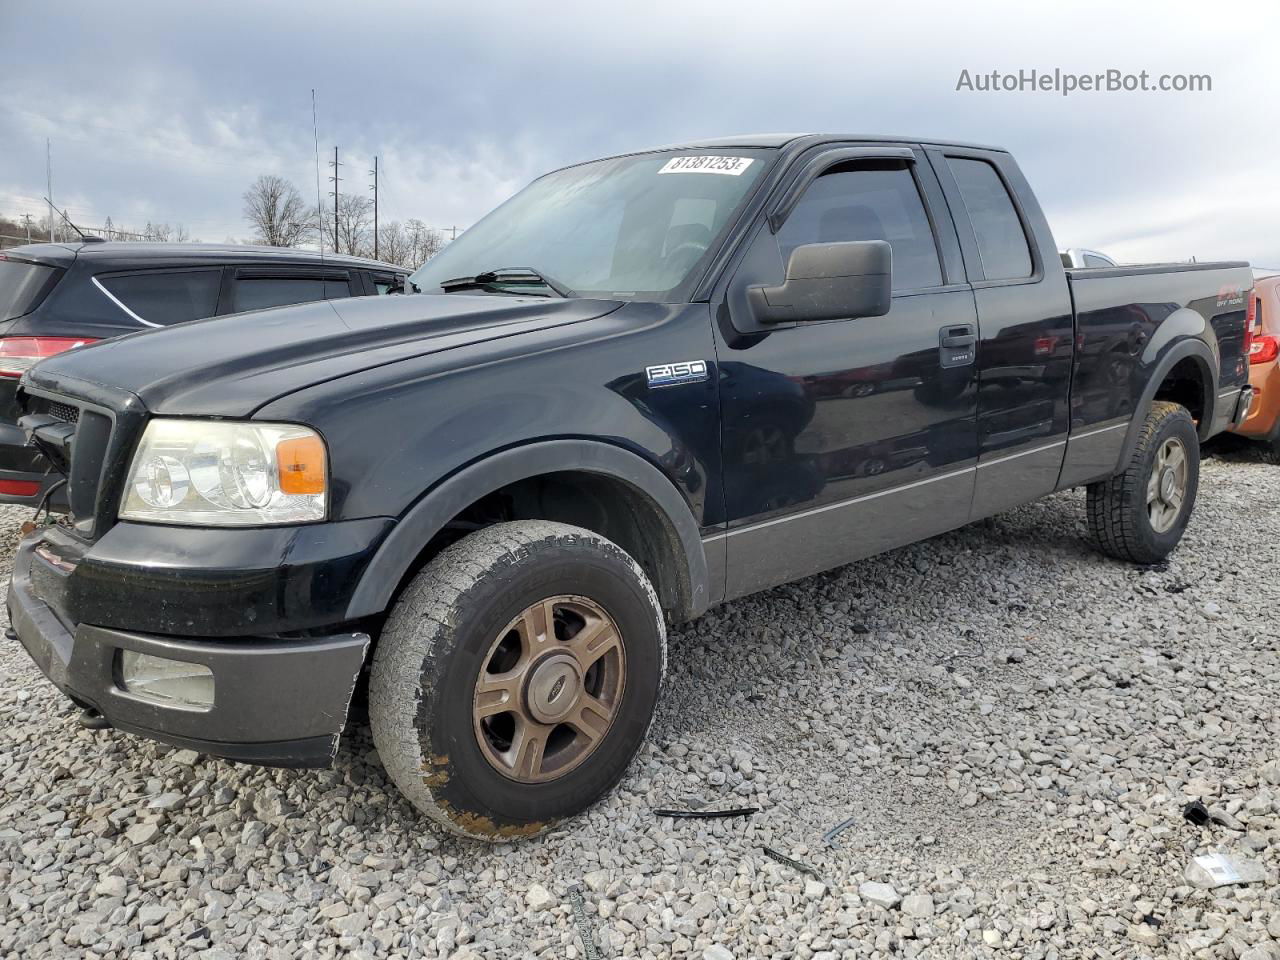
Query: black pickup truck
641, 387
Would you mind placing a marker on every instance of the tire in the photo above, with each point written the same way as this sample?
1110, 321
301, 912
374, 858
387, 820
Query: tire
1123, 521
476, 607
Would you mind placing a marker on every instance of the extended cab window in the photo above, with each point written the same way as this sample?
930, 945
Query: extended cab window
166, 296
258, 293
868, 200
1002, 244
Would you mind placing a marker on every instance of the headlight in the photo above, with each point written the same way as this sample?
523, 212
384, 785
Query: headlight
218, 473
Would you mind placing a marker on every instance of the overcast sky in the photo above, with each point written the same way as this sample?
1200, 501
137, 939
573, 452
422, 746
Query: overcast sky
166, 111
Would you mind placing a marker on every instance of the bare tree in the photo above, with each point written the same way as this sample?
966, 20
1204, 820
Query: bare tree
424, 243
393, 244
277, 213
353, 234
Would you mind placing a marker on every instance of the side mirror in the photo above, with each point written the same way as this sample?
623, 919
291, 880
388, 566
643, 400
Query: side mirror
829, 281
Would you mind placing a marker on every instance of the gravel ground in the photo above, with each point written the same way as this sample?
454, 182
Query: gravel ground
1013, 723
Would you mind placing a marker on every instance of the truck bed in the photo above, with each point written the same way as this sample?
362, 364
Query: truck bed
1127, 320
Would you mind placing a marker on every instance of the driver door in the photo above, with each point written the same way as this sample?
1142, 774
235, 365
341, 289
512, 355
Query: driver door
844, 438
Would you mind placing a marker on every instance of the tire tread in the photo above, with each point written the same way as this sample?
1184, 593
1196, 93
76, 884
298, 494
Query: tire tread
1110, 504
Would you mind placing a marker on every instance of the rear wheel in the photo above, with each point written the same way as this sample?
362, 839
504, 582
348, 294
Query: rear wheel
1140, 515
516, 678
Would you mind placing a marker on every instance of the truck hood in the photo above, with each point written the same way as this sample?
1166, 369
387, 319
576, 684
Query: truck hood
231, 366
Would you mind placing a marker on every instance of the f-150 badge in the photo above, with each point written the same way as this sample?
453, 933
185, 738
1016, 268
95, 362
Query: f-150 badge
682, 371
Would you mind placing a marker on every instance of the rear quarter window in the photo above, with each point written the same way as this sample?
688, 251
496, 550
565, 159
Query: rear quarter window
23, 286
166, 297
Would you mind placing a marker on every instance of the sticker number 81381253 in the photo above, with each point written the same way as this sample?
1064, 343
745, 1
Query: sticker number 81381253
728, 166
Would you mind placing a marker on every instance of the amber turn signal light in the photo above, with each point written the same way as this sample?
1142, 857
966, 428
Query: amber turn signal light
301, 465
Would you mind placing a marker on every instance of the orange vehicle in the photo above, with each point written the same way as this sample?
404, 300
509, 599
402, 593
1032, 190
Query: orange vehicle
1263, 422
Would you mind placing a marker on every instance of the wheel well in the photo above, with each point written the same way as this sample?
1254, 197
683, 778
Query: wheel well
1187, 384
600, 503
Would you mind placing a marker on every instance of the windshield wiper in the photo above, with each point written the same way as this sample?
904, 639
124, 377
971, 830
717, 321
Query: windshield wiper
517, 276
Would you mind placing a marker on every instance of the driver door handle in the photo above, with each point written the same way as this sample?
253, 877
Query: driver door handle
957, 345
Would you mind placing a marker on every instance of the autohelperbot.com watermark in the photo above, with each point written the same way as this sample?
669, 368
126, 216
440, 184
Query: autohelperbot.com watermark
1065, 83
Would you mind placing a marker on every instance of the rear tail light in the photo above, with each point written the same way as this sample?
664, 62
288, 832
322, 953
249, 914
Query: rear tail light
1264, 349
1252, 316
20, 354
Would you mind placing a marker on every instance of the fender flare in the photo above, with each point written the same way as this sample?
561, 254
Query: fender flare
448, 498
1191, 347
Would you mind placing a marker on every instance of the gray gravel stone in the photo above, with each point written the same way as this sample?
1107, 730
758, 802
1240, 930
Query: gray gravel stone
1037, 809
881, 894
919, 905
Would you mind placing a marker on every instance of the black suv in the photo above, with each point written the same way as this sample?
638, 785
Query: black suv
55, 297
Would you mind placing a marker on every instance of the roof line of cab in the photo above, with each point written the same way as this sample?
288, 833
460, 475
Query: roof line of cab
778, 141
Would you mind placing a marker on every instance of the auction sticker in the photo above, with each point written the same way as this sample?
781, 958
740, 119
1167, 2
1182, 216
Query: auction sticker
728, 166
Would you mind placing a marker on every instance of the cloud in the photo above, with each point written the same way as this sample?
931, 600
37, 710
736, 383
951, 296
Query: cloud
167, 111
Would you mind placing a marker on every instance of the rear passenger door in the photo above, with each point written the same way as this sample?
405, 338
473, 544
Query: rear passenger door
258, 288
844, 438
1026, 342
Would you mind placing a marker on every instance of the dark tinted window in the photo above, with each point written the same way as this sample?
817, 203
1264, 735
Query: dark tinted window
868, 201
1001, 241
167, 297
258, 293
385, 284
23, 286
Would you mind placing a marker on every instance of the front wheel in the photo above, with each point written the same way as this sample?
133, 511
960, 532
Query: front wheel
1140, 515
516, 677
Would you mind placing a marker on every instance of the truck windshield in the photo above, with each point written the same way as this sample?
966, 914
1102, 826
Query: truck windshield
631, 228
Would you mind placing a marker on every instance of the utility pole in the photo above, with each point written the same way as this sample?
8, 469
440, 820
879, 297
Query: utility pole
335, 178
374, 171
453, 234
48, 176
26, 219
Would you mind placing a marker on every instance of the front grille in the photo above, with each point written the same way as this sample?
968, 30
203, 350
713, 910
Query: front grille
64, 412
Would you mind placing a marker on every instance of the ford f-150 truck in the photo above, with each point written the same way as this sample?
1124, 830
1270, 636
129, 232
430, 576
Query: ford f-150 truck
641, 387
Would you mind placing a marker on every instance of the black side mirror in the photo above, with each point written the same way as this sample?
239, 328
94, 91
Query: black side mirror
829, 281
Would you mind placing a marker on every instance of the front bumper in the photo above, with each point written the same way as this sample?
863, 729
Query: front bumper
276, 702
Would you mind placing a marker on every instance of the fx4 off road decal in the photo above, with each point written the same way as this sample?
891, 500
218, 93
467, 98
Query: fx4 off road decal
682, 371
